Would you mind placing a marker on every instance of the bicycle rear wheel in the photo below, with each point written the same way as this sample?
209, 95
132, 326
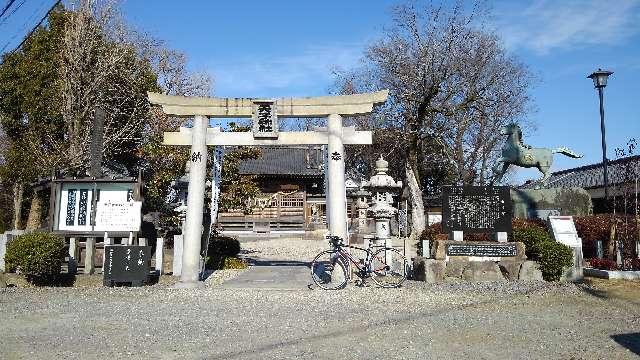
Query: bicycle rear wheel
328, 270
388, 268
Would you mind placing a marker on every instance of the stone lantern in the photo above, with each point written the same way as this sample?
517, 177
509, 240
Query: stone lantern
382, 187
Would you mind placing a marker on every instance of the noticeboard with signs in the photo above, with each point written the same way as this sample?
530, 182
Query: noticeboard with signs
476, 209
118, 216
126, 264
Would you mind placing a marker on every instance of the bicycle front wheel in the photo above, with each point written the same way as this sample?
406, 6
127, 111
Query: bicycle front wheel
388, 268
328, 270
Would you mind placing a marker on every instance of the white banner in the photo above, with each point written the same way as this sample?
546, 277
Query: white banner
218, 156
118, 216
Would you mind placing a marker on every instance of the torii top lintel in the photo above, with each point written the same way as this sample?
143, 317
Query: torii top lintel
322, 106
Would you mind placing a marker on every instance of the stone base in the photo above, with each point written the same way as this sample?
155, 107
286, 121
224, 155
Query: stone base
609, 274
428, 270
529, 271
3, 281
537, 203
433, 270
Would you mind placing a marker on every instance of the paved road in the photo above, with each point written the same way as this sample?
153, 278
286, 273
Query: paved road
272, 274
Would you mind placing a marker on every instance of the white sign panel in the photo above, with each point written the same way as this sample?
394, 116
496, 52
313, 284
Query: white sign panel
434, 218
218, 156
118, 216
564, 230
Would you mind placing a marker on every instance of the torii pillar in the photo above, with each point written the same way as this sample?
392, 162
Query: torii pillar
265, 114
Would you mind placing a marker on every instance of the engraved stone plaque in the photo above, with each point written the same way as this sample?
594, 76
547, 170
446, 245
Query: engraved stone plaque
488, 250
265, 119
476, 209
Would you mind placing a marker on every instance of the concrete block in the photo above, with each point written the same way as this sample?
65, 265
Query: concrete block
426, 249
74, 253
159, 255
177, 255
3, 250
89, 256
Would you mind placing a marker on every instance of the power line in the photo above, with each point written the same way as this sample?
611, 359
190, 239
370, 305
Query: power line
9, 3
12, 12
33, 29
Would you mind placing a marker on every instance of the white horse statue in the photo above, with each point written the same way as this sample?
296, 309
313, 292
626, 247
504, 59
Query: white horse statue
514, 152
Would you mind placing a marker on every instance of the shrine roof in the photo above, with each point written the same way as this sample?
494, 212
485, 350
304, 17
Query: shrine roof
285, 161
591, 176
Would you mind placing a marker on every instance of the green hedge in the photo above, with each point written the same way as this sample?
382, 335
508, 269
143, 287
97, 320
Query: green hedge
38, 256
531, 237
221, 248
553, 257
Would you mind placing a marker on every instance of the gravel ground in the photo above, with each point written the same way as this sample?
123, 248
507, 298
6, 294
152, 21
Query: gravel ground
515, 320
292, 249
479, 321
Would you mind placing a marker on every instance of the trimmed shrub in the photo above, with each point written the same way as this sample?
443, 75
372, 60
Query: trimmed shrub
553, 258
38, 256
220, 248
603, 264
521, 223
531, 237
233, 263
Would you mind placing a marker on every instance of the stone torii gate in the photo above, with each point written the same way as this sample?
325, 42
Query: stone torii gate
265, 114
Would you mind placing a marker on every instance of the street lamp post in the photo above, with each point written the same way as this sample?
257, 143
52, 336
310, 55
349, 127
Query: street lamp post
599, 78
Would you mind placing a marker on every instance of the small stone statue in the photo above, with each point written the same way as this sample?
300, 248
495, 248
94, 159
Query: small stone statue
515, 152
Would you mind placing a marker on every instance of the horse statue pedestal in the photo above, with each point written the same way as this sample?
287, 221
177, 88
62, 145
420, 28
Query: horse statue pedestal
540, 203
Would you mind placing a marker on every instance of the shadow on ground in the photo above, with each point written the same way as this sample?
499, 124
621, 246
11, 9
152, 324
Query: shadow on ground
262, 262
630, 341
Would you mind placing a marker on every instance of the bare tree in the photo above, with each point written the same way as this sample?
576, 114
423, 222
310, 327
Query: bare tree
100, 68
452, 86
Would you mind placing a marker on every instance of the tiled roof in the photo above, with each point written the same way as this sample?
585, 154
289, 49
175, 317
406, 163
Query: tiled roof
591, 176
291, 161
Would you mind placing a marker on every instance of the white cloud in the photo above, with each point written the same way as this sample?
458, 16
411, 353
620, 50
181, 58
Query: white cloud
545, 26
281, 73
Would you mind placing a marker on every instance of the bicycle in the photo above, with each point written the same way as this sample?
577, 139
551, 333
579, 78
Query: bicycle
386, 266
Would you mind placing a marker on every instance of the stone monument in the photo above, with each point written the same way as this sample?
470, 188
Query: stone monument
475, 209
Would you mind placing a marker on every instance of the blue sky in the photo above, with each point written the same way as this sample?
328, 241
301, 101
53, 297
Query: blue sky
288, 48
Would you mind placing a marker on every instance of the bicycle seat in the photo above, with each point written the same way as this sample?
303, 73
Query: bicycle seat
335, 241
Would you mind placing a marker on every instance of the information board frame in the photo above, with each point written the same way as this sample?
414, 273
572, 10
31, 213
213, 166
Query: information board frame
477, 199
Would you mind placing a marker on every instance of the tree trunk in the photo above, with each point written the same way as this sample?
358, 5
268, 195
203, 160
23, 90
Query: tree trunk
34, 221
18, 192
418, 223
